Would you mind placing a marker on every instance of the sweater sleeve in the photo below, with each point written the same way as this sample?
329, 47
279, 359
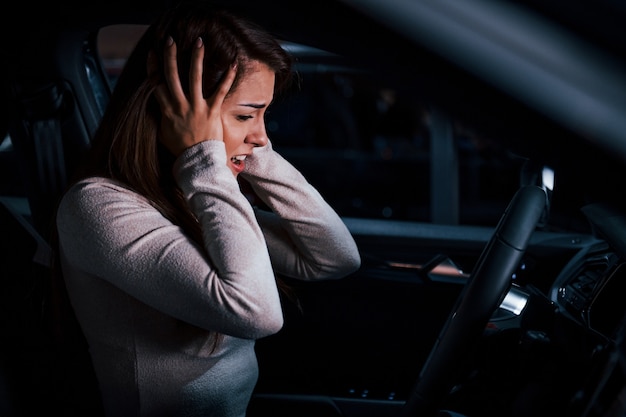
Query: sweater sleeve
227, 286
306, 237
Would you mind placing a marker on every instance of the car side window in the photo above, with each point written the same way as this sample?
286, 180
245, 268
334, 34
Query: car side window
356, 141
373, 150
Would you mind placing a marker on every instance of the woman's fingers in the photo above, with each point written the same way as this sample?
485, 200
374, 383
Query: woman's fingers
224, 87
190, 119
171, 72
195, 73
195, 79
215, 128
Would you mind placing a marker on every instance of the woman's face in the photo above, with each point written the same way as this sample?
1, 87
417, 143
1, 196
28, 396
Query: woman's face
243, 115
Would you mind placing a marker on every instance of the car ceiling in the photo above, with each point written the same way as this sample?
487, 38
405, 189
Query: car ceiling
478, 59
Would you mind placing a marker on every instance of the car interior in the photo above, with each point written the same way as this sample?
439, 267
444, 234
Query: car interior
487, 209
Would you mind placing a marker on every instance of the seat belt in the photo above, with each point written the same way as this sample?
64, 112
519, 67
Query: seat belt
40, 144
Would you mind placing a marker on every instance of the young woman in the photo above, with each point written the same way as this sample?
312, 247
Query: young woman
169, 266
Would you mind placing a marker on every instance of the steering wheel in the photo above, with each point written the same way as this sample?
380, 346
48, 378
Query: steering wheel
484, 290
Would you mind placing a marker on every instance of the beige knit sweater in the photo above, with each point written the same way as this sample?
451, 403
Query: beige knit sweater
150, 300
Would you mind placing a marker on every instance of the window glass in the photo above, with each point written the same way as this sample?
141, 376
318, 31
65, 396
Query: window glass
365, 147
373, 150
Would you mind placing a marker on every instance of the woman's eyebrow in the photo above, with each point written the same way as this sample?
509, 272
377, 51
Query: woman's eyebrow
254, 105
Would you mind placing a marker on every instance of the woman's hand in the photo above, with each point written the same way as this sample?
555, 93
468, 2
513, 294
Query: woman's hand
189, 120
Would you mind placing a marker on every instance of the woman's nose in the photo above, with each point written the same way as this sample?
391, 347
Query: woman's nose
258, 136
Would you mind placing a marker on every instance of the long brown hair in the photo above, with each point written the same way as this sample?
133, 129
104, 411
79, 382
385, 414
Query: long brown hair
126, 145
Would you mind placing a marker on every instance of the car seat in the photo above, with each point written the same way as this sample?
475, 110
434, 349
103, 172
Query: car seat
52, 117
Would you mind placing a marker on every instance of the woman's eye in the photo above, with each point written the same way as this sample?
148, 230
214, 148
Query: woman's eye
243, 117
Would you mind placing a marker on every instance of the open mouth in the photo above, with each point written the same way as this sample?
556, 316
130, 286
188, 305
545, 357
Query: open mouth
238, 159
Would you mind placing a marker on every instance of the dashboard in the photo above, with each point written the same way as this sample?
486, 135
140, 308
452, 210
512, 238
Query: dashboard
591, 289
